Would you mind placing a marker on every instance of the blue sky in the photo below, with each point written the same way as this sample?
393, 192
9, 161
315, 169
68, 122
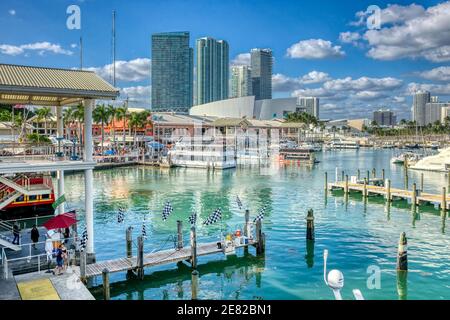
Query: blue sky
321, 48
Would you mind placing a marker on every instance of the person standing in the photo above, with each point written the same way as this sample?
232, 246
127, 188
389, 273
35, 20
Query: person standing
16, 234
34, 236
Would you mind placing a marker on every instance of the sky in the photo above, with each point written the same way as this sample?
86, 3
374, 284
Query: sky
321, 48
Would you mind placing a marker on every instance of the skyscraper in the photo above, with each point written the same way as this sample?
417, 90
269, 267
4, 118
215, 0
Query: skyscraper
261, 63
212, 70
172, 72
240, 82
420, 99
309, 105
384, 118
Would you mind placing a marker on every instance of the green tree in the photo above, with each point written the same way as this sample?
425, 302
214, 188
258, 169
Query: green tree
44, 114
101, 116
123, 115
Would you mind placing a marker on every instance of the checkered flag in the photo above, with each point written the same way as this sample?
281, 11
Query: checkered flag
239, 202
167, 211
193, 218
144, 230
260, 215
83, 240
214, 217
121, 215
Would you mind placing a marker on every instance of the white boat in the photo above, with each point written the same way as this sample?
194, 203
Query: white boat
410, 157
439, 162
310, 146
342, 144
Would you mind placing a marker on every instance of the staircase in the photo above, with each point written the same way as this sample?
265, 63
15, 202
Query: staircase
5, 241
25, 188
8, 198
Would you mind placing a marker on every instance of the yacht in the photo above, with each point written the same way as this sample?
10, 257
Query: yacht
439, 162
410, 157
342, 144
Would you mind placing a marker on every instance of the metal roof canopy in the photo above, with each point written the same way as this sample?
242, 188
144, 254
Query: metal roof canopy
51, 86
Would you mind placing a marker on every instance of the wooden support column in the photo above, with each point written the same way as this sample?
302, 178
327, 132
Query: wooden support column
326, 181
388, 190
359, 174
368, 176
260, 238
374, 173
140, 258
129, 244
382, 174
402, 253
106, 289
444, 200
83, 266
414, 195
193, 248
179, 234
342, 175
194, 280
346, 184
365, 188
421, 182
310, 235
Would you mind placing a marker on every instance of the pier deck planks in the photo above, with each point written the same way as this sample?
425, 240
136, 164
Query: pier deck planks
399, 193
155, 258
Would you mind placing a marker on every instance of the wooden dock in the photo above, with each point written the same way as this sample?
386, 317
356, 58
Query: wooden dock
393, 193
155, 259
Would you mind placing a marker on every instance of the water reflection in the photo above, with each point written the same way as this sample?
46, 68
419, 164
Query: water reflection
402, 285
309, 257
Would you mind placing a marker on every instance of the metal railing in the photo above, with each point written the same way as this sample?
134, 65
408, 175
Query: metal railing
25, 223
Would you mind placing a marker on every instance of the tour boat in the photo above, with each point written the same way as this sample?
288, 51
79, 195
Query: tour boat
26, 195
342, 144
297, 154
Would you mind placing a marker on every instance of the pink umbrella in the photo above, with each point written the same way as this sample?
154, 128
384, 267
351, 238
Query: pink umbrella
61, 221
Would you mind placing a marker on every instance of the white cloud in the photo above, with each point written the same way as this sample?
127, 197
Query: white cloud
414, 33
283, 83
314, 49
441, 89
138, 95
391, 14
73, 45
437, 74
363, 84
350, 37
242, 59
12, 12
369, 95
133, 71
40, 47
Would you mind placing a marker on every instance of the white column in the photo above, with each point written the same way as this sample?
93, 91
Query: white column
60, 173
88, 175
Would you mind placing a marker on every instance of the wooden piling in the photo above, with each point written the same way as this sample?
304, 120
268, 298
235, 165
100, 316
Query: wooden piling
402, 253
421, 182
260, 238
194, 284
129, 244
414, 195
346, 184
247, 223
342, 175
326, 181
83, 266
106, 289
388, 190
359, 174
382, 174
179, 234
140, 258
374, 173
365, 188
193, 248
444, 199
310, 235
368, 176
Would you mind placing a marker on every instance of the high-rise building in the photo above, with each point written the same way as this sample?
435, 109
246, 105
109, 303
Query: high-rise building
240, 82
420, 99
261, 64
309, 105
385, 118
212, 70
435, 110
172, 72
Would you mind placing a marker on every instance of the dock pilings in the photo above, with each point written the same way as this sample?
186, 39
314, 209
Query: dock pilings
402, 253
129, 242
310, 235
106, 288
140, 258
193, 247
260, 239
179, 234
194, 284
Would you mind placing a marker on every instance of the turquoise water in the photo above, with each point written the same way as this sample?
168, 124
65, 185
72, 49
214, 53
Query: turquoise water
357, 234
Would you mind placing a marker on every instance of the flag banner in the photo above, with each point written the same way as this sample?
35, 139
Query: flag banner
121, 215
260, 215
239, 203
167, 211
214, 217
83, 240
193, 218
59, 201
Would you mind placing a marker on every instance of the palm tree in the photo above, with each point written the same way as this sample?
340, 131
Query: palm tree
134, 122
44, 114
78, 115
112, 111
122, 115
101, 115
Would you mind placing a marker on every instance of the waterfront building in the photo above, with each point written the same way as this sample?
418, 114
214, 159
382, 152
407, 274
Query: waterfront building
358, 124
420, 99
212, 70
434, 111
309, 105
172, 72
240, 82
384, 118
248, 107
261, 65
445, 113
